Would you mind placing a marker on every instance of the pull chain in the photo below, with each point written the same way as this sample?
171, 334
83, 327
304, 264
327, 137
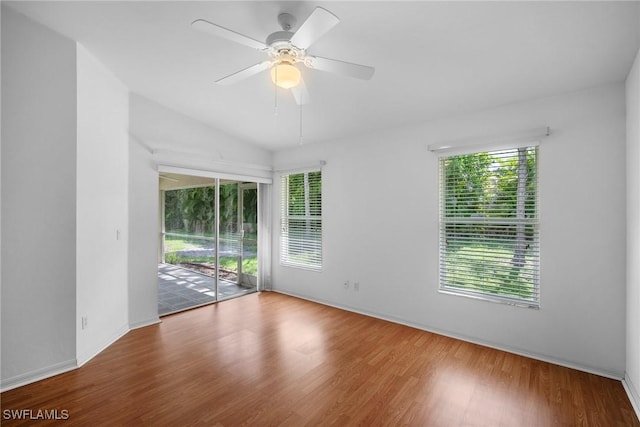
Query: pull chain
275, 92
300, 136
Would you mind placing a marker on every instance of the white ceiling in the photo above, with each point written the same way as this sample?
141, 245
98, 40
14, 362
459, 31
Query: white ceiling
432, 59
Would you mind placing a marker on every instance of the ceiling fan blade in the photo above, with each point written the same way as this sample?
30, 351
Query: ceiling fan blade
316, 25
300, 93
358, 71
243, 74
219, 31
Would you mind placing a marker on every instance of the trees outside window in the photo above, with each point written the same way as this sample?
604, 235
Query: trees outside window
301, 220
489, 240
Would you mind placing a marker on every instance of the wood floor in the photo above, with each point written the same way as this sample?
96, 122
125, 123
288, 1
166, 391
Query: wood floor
268, 359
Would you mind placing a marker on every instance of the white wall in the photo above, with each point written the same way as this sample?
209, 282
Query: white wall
0, 213
380, 202
101, 206
632, 378
143, 236
179, 141
38, 200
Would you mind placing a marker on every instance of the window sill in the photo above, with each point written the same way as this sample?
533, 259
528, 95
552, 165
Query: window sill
490, 298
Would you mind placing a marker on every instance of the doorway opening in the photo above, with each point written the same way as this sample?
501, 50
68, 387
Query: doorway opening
208, 243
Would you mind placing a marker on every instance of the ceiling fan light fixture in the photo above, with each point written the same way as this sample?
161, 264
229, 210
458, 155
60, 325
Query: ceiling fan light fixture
285, 75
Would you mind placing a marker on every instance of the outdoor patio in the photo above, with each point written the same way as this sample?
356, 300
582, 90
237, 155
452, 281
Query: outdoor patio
180, 289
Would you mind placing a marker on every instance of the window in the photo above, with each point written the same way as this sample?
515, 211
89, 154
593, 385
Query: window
301, 220
489, 239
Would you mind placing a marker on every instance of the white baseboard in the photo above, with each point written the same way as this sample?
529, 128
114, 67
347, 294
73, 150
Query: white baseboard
633, 394
60, 368
38, 374
144, 323
544, 358
119, 333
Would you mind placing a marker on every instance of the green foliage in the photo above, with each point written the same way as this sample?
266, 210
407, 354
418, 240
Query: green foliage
173, 217
486, 269
171, 258
173, 244
192, 210
197, 209
505, 196
303, 221
466, 180
250, 208
177, 251
488, 198
229, 207
483, 185
296, 186
250, 266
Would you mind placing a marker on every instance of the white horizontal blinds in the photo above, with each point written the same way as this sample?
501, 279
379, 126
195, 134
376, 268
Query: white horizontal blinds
489, 239
301, 220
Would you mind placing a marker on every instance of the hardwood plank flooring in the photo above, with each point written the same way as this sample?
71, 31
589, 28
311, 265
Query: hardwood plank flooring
269, 359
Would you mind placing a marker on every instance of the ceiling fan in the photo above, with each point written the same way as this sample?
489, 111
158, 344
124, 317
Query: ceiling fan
286, 49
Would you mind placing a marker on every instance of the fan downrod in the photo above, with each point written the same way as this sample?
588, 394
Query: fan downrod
287, 21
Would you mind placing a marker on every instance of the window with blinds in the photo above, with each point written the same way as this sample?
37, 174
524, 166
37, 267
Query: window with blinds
489, 239
301, 220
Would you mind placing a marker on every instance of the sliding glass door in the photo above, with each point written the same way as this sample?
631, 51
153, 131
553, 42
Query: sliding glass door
209, 241
248, 213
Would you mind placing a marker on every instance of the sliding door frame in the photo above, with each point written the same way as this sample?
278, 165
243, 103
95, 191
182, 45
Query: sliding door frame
264, 224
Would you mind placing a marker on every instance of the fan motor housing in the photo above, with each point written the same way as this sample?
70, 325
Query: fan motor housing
279, 37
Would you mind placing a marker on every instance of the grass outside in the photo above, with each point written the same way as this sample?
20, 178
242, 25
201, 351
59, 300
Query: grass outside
175, 248
181, 243
488, 270
305, 258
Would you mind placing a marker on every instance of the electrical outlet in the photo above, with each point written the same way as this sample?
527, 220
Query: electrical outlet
356, 286
85, 322
346, 285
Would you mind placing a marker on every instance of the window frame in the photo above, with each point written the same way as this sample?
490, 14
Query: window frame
533, 222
